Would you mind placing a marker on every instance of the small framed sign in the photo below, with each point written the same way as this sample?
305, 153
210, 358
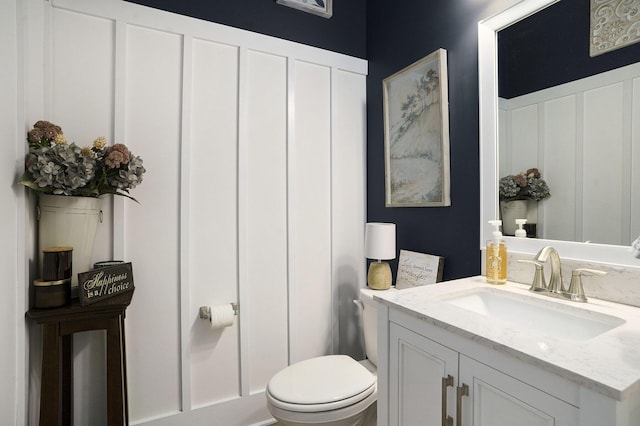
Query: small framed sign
102, 283
322, 8
415, 269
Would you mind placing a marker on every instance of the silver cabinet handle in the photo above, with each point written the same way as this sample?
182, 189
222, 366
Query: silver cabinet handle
461, 391
446, 382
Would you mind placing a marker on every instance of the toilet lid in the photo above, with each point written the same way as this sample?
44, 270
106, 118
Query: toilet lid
321, 380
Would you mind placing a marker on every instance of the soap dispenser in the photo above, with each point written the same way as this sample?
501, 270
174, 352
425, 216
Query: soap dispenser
496, 268
520, 232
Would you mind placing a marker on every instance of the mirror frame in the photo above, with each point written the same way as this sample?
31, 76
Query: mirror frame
488, 98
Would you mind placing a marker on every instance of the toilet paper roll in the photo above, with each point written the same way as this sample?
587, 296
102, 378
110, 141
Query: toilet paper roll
221, 316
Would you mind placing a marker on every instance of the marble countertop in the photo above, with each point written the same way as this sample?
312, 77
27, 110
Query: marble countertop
608, 363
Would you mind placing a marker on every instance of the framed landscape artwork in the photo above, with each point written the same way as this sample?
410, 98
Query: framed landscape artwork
322, 8
416, 134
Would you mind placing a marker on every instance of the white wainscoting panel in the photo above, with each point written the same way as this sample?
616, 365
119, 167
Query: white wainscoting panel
348, 175
585, 139
527, 152
152, 130
263, 215
602, 160
12, 220
82, 96
560, 166
310, 212
254, 194
85, 118
213, 219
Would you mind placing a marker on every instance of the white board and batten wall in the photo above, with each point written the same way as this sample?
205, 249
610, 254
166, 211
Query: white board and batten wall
12, 218
585, 139
254, 193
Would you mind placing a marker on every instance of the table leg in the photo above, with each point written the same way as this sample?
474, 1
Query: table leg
124, 370
50, 395
115, 389
67, 379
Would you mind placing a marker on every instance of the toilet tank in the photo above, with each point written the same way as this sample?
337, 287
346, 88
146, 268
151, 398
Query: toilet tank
370, 322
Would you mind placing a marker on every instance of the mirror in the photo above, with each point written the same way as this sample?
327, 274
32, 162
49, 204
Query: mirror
489, 161
572, 116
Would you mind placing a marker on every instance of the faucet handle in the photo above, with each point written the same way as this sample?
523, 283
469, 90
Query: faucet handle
576, 291
538, 283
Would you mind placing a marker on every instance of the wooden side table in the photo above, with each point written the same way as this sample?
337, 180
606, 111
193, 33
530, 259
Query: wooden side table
59, 324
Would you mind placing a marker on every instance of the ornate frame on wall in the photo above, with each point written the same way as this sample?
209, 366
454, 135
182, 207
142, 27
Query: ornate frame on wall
614, 24
322, 8
416, 134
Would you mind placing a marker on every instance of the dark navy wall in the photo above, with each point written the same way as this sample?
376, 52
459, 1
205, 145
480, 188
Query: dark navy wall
344, 32
551, 48
398, 34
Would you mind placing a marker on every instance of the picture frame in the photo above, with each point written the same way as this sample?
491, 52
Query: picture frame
610, 30
416, 134
416, 269
322, 8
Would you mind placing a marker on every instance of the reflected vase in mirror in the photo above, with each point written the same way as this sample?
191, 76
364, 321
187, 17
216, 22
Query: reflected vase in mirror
509, 212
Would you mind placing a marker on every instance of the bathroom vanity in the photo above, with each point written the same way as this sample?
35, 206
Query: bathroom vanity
467, 353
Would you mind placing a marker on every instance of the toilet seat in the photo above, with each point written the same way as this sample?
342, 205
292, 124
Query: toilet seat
321, 384
330, 417
314, 408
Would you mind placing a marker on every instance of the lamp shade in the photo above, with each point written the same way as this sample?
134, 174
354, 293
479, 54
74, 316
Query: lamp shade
380, 240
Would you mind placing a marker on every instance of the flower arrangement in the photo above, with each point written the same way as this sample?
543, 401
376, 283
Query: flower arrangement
527, 185
55, 167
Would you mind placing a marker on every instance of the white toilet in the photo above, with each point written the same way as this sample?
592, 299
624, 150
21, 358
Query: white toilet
331, 390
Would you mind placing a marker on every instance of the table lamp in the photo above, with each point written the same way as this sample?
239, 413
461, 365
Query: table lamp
380, 244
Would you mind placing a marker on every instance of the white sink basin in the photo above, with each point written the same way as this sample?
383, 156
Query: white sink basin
545, 316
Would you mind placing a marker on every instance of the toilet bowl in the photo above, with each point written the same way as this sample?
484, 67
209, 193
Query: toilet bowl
331, 390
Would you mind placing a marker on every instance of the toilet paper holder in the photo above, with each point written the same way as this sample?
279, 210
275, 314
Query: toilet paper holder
205, 311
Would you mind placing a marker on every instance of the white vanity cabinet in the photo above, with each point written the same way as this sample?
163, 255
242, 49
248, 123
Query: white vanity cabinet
421, 379
442, 364
429, 382
495, 398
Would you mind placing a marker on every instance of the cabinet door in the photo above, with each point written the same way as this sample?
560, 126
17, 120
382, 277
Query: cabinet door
418, 369
497, 399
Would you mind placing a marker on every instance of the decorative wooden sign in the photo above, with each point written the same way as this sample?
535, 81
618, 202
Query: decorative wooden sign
416, 269
103, 283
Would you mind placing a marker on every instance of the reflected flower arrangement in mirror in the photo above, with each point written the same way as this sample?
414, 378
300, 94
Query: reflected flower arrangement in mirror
527, 185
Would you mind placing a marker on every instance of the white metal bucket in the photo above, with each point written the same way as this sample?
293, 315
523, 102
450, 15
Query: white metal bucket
69, 221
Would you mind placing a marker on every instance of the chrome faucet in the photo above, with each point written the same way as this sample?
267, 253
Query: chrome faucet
555, 282
555, 288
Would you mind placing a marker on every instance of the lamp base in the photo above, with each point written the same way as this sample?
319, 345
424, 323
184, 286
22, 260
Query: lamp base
379, 276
